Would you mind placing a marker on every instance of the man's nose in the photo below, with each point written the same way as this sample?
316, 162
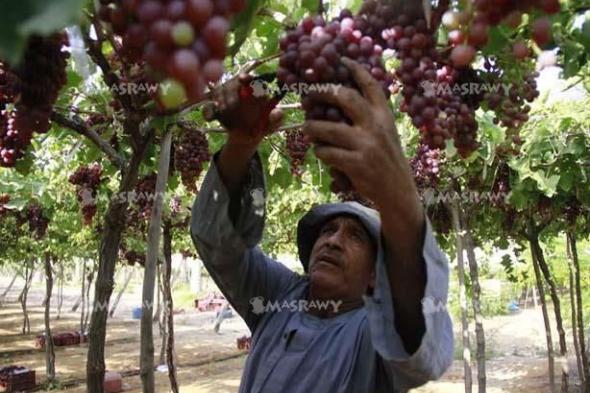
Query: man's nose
335, 239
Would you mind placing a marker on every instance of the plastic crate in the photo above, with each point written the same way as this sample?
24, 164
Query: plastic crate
244, 343
136, 313
16, 379
62, 339
113, 382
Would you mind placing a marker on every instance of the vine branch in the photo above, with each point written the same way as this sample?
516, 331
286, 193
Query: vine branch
86, 131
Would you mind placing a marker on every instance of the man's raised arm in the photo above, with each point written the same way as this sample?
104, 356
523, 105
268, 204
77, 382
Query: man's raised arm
228, 220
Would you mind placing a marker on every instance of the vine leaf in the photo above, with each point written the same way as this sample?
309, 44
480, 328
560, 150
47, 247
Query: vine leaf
29, 17
242, 24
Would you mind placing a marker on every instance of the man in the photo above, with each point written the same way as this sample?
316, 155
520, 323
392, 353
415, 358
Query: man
355, 322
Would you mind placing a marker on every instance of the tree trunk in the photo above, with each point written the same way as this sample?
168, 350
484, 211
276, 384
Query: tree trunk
29, 271
77, 304
462, 297
154, 234
5, 293
49, 352
546, 321
575, 325
114, 223
83, 298
552, 292
542, 263
572, 246
169, 307
129, 276
88, 286
476, 303
572, 284
158, 311
60, 291
164, 337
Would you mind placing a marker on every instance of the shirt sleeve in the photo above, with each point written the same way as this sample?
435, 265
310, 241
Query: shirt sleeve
435, 353
230, 250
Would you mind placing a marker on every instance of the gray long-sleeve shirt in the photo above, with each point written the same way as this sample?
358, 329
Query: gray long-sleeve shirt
293, 351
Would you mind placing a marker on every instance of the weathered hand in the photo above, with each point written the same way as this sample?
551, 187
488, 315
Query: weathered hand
247, 117
369, 151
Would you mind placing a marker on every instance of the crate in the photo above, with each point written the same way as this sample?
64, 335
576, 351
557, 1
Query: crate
62, 339
212, 302
113, 382
16, 379
244, 343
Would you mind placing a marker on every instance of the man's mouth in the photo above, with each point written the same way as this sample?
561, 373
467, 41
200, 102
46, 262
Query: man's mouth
329, 259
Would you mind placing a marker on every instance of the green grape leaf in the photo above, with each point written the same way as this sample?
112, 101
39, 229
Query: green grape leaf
242, 24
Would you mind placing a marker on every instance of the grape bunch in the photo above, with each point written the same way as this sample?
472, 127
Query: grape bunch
144, 195
436, 108
426, 167
311, 56
572, 210
182, 41
469, 30
87, 180
511, 107
501, 188
297, 146
38, 222
28, 92
440, 218
4, 199
191, 151
133, 257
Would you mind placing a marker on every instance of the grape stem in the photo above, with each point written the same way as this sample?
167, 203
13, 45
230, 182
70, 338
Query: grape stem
436, 19
289, 106
86, 131
321, 8
109, 76
254, 64
282, 128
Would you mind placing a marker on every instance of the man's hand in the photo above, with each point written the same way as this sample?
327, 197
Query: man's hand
248, 117
369, 153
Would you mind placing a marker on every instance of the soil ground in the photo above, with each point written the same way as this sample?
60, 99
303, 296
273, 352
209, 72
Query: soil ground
210, 362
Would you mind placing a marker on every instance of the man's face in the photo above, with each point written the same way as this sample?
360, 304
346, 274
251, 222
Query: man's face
342, 260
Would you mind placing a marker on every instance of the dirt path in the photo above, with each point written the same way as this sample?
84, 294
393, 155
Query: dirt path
210, 363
